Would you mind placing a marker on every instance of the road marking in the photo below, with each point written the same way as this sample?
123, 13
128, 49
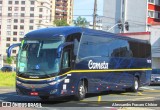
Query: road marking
139, 93
99, 98
151, 90
133, 94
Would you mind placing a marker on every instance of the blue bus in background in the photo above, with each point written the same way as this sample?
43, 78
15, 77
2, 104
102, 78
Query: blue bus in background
62, 61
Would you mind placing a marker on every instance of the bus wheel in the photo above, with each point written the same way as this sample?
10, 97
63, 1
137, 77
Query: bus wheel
44, 97
81, 91
135, 87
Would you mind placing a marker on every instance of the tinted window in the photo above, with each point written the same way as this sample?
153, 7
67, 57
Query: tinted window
93, 46
119, 48
72, 37
66, 60
140, 50
124, 52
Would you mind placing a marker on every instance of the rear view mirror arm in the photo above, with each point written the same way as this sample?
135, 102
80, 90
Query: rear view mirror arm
11, 47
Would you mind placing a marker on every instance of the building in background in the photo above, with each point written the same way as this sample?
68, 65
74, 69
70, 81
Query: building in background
140, 14
143, 16
153, 11
64, 10
18, 17
155, 43
154, 39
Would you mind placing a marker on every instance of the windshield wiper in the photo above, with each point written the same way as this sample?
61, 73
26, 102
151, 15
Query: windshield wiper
45, 73
32, 72
39, 49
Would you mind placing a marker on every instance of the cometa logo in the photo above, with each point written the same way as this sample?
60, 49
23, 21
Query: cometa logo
95, 65
33, 77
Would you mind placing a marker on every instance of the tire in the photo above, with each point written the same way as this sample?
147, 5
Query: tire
81, 91
44, 97
135, 86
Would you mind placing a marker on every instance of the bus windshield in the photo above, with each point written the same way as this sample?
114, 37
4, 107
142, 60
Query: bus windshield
38, 57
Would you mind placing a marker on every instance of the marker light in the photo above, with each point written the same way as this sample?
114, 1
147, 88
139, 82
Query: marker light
98, 89
108, 87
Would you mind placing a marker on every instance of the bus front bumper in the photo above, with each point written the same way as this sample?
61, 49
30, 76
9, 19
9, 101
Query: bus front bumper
50, 90
44, 91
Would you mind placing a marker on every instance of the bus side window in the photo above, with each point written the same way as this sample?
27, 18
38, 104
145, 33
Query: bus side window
66, 60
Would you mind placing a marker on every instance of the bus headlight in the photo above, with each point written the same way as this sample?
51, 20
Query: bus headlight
18, 82
53, 83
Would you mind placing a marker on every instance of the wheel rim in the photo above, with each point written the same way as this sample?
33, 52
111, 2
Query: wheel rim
81, 90
136, 85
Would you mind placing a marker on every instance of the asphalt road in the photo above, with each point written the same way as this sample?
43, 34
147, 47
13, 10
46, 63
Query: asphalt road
92, 101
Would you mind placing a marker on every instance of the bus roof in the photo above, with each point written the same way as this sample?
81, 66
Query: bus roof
52, 32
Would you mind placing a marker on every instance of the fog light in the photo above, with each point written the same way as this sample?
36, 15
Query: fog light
53, 91
63, 92
98, 89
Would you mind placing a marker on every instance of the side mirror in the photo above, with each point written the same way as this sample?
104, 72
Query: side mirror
9, 50
61, 47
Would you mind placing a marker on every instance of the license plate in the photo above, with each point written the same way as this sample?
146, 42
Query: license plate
34, 93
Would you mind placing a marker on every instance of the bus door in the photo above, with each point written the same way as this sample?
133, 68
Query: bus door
66, 62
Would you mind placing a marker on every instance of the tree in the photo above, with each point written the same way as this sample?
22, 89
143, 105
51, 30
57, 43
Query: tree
10, 60
62, 22
82, 22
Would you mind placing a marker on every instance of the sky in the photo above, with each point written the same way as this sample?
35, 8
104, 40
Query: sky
85, 7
